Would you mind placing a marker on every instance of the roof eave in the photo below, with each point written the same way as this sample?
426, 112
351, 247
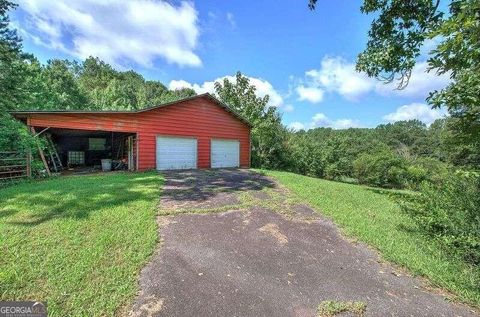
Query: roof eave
22, 113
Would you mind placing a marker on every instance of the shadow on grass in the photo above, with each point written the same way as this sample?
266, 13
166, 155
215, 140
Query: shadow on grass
201, 185
73, 197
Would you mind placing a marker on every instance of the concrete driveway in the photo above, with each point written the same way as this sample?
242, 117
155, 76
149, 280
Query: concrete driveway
233, 243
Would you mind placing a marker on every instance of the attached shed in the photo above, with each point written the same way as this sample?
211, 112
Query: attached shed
196, 132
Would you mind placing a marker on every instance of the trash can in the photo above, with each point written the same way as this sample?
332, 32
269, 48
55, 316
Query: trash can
106, 165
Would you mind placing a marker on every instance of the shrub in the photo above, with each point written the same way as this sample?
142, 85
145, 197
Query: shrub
305, 157
415, 175
426, 169
339, 169
14, 135
383, 169
449, 212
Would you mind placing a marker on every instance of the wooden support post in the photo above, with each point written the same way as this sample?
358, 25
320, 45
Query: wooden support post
41, 132
136, 150
42, 156
29, 164
130, 153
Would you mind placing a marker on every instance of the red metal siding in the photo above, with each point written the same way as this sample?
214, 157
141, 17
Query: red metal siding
201, 118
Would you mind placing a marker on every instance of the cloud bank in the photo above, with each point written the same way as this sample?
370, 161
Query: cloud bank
118, 32
336, 75
263, 88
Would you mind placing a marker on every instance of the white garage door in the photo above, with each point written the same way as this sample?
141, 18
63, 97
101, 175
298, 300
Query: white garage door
225, 153
176, 153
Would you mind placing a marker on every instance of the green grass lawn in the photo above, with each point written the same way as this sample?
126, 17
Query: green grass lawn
77, 242
373, 216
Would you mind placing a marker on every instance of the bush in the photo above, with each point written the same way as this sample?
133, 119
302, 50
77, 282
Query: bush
14, 135
426, 169
383, 169
305, 157
339, 169
449, 212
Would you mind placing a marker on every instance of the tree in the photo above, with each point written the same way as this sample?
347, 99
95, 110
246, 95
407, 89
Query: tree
130, 93
155, 92
269, 136
406, 137
11, 60
384, 169
61, 87
397, 35
94, 78
448, 145
181, 93
107, 88
16, 71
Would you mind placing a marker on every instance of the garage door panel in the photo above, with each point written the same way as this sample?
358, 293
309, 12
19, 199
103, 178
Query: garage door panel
176, 153
225, 153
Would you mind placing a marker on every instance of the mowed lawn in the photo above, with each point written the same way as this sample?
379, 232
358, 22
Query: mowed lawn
372, 216
77, 242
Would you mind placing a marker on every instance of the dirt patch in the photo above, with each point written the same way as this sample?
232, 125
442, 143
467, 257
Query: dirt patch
273, 230
164, 221
261, 195
152, 307
305, 211
334, 308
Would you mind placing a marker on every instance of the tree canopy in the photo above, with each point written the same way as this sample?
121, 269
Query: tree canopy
268, 133
397, 35
11, 55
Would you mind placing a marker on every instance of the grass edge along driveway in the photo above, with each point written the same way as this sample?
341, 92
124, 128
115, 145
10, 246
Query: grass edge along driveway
78, 242
372, 216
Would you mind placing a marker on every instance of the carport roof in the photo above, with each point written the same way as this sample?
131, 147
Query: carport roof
19, 113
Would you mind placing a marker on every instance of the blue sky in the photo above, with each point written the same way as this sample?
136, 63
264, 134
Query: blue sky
303, 59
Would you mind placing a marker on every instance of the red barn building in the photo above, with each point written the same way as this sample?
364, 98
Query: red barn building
196, 132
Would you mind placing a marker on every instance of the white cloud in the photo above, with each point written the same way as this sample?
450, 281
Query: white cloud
420, 85
320, 120
118, 32
339, 76
311, 94
345, 124
336, 75
296, 126
417, 111
263, 88
231, 20
179, 84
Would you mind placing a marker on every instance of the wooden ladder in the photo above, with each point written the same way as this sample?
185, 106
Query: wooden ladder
54, 157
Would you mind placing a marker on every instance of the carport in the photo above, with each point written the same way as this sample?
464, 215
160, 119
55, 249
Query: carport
85, 149
79, 141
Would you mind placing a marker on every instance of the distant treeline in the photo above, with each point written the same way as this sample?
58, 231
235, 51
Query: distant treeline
399, 155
